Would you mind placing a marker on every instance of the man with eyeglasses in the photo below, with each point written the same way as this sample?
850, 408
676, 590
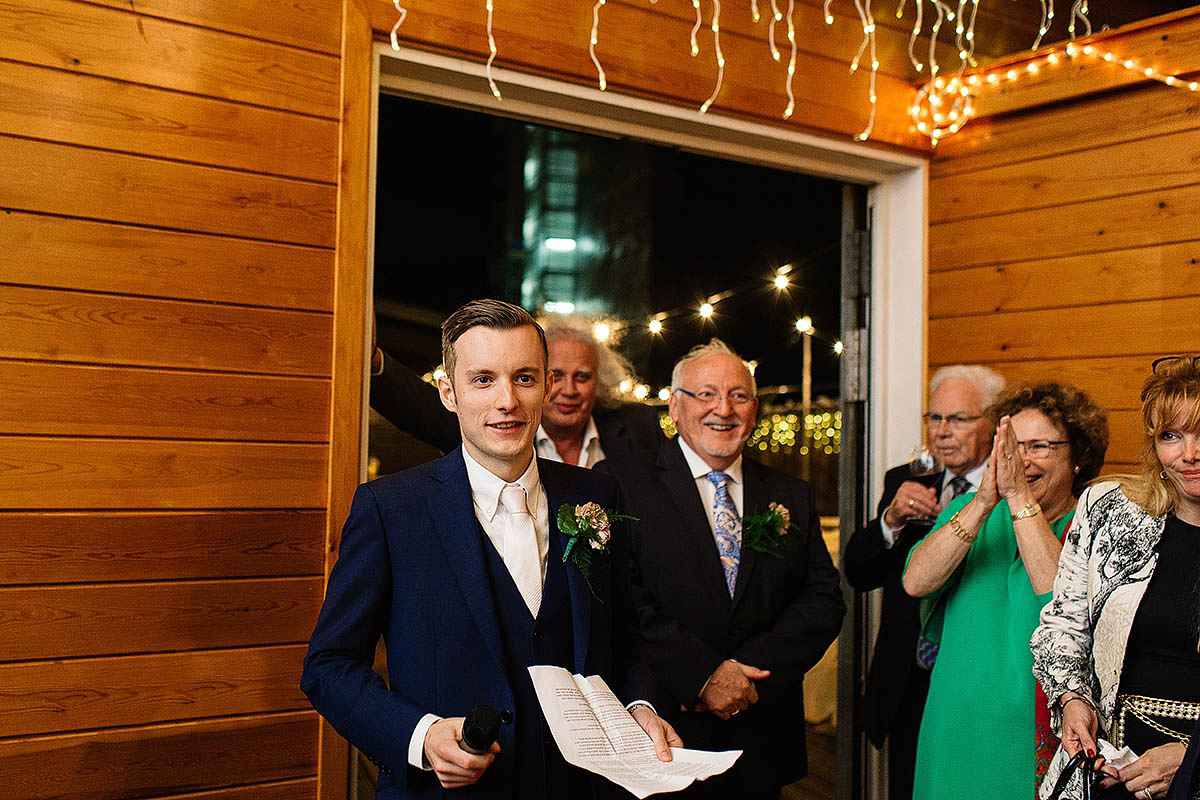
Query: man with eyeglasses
730, 629
960, 436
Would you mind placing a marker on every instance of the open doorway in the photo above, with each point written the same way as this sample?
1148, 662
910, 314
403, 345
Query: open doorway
897, 248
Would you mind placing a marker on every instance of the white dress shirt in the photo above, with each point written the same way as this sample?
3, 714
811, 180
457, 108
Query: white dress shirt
493, 518
589, 455
708, 493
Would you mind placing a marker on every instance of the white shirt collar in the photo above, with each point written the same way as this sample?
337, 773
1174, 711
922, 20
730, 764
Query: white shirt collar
700, 467
591, 439
486, 487
975, 476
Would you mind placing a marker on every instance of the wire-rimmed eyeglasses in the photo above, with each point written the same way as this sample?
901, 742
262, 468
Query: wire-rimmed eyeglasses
736, 397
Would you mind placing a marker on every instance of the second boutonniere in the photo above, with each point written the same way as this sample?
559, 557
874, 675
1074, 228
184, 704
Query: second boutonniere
586, 524
767, 530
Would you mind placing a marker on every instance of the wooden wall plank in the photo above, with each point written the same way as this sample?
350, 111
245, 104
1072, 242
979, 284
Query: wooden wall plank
95, 547
303, 789
1113, 383
108, 401
48, 696
119, 44
96, 256
1171, 44
1166, 325
991, 141
72, 181
62, 106
51, 622
535, 36
1113, 276
1139, 166
285, 21
1125, 436
1138, 220
107, 474
111, 329
157, 761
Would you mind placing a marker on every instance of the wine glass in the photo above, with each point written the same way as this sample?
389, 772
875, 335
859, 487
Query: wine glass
923, 463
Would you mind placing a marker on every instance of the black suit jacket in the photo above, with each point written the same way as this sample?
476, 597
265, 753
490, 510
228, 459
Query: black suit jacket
870, 564
784, 613
413, 406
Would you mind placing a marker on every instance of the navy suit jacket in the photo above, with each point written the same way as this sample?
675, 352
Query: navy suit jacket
784, 613
411, 568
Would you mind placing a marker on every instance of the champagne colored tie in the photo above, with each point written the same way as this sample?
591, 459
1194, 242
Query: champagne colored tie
521, 548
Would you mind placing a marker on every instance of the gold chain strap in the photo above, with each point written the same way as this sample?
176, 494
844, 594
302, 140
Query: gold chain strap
1140, 707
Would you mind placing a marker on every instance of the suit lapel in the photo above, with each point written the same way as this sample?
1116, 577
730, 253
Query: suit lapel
558, 492
453, 515
696, 528
755, 499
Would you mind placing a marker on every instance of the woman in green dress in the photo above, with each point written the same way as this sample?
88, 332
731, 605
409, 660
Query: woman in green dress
985, 571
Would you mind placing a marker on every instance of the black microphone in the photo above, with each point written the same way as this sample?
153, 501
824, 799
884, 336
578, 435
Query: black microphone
480, 729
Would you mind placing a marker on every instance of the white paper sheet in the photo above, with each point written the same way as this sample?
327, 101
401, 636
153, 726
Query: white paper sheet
594, 731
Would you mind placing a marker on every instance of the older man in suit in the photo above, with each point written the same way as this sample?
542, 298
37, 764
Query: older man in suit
583, 419
960, 436
457, 564
730, 628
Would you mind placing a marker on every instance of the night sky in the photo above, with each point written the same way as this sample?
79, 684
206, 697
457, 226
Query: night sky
443, 236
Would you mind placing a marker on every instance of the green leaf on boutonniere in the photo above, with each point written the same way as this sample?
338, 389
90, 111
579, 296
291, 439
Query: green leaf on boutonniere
767, 530
588, 528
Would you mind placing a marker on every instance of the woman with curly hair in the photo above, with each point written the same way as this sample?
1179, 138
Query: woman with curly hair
984, 572
1117, 650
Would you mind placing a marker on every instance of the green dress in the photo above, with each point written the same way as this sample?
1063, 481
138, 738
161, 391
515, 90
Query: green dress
977, 735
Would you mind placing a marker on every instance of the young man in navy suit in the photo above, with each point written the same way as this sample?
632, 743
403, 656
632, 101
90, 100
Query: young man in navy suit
458, 564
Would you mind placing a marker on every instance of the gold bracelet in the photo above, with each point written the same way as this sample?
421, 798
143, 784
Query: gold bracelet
1030, 510
960, 531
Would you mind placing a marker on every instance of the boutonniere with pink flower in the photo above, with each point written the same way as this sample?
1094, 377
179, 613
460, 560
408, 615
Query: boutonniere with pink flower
767, 530
588, 529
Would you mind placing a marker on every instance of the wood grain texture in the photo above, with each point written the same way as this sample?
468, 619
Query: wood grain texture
96, 547
1113, 383
645, 53
62, 106
101, 257
73, 181
301, 789
1165, 325
1137, 220
116, 330
51, 622
1171, 44
56, 696
347, 423
38, 473
301, 23
109, 401
1125, 436
992, 141
1139, 166
160, 761
126, 46
1113, 276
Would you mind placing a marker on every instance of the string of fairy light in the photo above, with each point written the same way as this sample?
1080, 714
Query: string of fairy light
941, 105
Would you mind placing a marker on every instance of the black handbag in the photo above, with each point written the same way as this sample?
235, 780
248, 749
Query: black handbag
1078, 763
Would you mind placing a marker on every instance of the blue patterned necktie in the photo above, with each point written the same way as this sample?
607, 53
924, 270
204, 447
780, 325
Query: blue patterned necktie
960, 485
727, 527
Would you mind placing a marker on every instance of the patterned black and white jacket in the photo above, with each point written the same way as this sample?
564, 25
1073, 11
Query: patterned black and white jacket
1107, 560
